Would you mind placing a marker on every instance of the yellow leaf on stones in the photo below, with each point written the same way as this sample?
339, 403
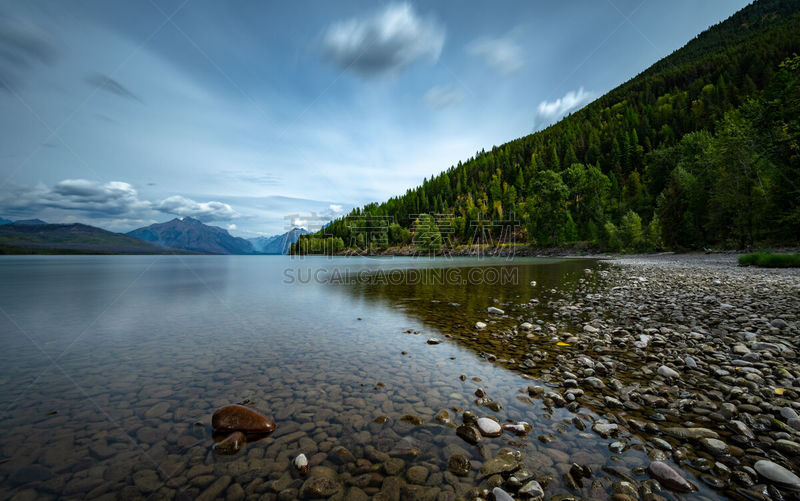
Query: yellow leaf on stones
779, 391
561, 343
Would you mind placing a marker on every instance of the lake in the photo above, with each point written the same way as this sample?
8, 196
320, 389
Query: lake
113, 365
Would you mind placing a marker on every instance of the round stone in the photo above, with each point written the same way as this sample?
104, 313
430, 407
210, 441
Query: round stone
489, 427
501, 495
469, 434
459, 465
667, 372
669, 478
714, 446
417, 474
777, 474
240, 418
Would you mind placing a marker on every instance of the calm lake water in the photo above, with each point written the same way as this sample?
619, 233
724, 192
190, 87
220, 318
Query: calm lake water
112, 366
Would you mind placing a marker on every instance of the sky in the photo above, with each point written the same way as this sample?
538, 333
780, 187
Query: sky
255, 116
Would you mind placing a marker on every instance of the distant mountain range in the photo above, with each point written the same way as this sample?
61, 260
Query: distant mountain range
38, 237
29, 222
190, 234
185, 236
277, 244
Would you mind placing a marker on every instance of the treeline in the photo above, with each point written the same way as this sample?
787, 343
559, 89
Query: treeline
702, 149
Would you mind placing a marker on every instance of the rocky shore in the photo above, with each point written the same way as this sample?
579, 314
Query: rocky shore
690, 358
483, 250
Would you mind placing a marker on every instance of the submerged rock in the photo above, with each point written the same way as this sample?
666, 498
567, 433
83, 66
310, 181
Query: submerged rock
417, 474
231, 444
240, 418
459, 465
320, 487
605, 430
30, 473
412, 419
504, 462
669, 478
495, 311
469, 434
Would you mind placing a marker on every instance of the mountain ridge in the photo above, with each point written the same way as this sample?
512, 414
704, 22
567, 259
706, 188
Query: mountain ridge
191, 234
74, 238
277, 244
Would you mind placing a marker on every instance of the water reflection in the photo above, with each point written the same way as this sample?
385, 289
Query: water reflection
452, 303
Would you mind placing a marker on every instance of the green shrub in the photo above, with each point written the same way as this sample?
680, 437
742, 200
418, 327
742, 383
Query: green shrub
770, 260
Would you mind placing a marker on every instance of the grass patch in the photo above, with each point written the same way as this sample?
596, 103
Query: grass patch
770, 260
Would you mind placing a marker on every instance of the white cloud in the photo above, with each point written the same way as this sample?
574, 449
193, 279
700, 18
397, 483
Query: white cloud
443, 96
202, 211
112, 198
335, 207
550, 111
76, 200
231, 226
502, 54
383, 42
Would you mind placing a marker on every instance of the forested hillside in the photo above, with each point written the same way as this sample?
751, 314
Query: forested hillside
701, 149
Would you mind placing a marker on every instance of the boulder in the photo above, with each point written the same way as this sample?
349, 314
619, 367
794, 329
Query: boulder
240, 418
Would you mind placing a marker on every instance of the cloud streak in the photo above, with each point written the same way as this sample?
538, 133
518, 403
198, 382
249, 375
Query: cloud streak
443, 96
202, 211
22, 44
502, 54
549, 111
384, 42
112, 86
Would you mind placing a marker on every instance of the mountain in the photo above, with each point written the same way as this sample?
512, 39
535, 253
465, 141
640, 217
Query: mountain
43, 238
698, 150
277, 244
5, 221
29, 222
190, 234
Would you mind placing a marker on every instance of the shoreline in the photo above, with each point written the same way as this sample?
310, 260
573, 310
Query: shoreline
689, 357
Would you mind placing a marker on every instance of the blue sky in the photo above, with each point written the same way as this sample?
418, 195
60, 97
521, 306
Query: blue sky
250, 115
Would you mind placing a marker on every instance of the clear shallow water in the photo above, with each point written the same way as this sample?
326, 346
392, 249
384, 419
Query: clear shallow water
113, 365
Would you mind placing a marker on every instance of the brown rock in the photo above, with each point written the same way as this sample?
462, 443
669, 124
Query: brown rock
231, 444
240, 418
469, 434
